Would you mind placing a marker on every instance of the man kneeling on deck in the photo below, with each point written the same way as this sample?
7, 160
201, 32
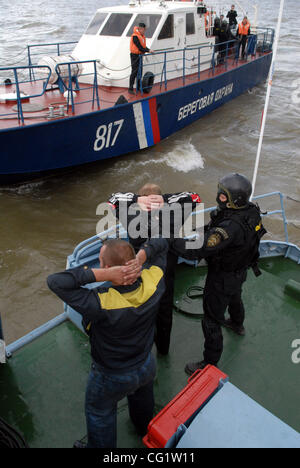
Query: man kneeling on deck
120, 321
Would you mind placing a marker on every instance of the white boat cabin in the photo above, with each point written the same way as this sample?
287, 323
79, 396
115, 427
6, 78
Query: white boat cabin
170, 26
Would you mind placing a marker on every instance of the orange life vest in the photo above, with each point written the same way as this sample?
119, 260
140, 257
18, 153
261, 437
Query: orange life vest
207, 20
244, 28
141, 38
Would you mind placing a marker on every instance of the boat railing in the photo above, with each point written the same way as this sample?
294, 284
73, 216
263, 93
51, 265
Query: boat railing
64, 82
19, 95
182, 63
164, 66
268, 213
61, 48
88, 251
85, 251
265, 39
66, 79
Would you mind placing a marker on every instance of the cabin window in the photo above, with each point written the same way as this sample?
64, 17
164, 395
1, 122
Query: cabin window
151, 22
116, 24
167, 31
190, 23
95, 24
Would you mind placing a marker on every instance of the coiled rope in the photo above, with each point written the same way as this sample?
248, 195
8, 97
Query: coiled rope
10, 437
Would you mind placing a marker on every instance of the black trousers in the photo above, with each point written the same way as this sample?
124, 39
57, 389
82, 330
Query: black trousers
242, 44
135, 61
222, 290
165, 313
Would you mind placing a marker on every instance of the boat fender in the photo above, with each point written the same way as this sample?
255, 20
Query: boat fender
6, 82
121, 100
67, 94
148, 81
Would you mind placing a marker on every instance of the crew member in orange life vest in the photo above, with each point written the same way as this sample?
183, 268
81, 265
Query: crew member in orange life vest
243, 33
137, 48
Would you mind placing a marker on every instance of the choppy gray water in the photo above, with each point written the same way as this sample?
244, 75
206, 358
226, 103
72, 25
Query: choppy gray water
42, 222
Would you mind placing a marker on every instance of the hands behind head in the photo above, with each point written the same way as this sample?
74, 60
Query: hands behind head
150, 202
127, 274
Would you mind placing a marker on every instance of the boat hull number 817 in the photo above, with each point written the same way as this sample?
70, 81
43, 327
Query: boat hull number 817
106, 135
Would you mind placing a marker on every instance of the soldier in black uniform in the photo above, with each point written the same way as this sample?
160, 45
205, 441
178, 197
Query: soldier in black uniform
216, 31
231, 243
223, 37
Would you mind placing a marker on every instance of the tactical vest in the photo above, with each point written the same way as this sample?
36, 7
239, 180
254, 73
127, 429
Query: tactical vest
237, 258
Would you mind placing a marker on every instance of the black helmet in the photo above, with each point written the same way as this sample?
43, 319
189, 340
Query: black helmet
237, 189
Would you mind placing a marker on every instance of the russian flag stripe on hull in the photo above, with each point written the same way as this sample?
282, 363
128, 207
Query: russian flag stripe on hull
140, 126
146, 122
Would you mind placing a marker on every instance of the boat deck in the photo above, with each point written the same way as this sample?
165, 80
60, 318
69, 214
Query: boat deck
83, 100
42, 386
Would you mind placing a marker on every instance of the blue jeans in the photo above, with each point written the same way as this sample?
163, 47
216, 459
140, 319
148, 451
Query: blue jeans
103, 392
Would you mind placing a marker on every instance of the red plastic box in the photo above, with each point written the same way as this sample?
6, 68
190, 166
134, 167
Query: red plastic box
201, 386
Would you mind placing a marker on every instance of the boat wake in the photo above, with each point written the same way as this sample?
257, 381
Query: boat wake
24, 189
184, 157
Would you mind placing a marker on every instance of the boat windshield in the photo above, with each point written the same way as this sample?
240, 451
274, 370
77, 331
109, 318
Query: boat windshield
167, 31
95, 24
151, 22
116, 24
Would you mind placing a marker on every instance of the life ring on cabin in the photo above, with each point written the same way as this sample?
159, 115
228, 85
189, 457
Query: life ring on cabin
147, 83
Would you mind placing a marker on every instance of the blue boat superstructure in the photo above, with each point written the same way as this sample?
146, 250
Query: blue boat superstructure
188, 84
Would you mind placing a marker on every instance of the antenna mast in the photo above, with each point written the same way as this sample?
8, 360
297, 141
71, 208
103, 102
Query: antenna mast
272, 69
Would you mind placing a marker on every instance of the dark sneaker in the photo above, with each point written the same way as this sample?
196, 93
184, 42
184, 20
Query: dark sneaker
131, 91
192, 367
238, 330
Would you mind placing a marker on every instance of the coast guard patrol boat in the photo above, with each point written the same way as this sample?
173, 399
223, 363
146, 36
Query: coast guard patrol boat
72, 107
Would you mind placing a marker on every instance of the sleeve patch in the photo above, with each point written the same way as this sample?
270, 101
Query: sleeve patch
223, 233
214, 240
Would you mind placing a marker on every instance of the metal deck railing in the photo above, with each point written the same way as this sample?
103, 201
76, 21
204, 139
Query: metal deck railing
187, 63
88, 252
86, 249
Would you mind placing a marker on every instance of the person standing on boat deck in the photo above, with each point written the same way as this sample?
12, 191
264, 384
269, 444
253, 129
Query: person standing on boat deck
216, 31
232, 15
150, 198
243, 33
137, 48
223, 37
230, 247
120, 321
